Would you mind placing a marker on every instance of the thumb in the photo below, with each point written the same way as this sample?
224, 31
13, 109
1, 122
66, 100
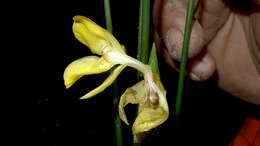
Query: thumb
170, 22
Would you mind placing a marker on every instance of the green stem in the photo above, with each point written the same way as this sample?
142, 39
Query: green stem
143, 33
185, 50
143, 36
108, 15
117, 121
118, 132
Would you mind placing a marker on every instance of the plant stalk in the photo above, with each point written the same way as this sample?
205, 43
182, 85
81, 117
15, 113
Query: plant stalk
185, 50
143, 37
143, 33
117, 121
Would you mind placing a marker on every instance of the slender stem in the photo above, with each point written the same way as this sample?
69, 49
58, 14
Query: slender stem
144, 31
143, 36
185, 49
118, 127
108, 15
117, 121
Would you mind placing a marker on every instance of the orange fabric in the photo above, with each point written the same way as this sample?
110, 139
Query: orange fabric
249, 134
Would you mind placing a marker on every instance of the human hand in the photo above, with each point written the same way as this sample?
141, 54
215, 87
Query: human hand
224, 40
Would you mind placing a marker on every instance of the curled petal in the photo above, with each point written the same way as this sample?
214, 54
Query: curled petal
94, 36
132, 95
152, 109
109, 80
84, 66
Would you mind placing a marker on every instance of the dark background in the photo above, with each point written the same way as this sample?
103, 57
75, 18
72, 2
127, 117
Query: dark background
210, 116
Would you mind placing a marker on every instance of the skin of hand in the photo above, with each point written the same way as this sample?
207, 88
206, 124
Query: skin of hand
225, 41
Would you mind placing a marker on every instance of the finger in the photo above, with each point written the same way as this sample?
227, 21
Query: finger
212, 15
174, 41
171, 25
161, 49
201, 67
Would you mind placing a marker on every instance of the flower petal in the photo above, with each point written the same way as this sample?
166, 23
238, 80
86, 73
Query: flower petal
94, 36
109, 80
132, 95
84, 66
150, 113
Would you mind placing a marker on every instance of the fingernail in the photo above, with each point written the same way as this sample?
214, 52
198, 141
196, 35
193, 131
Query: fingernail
173, 42
194, 77
198, 71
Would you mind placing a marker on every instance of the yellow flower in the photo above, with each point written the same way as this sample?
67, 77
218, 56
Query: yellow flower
149, 93
102, 43
99, 41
